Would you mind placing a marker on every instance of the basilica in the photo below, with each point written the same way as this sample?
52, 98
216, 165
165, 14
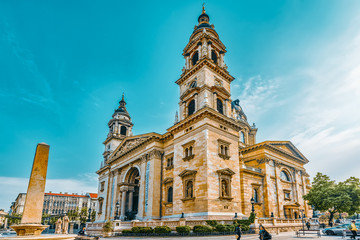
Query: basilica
208, 164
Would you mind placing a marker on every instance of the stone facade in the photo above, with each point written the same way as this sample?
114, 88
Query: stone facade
59, 203
208, 164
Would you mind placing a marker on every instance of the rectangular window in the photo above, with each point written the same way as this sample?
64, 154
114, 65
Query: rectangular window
102, 186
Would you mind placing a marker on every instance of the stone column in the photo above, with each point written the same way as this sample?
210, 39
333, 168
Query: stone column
199, 52
141, 203
209, 50
71, 231
267, 185
131, 194
221, 59
123, 190
196, 102
277, 184
184, 110
226, 107
187, 62
214, 100
31, 218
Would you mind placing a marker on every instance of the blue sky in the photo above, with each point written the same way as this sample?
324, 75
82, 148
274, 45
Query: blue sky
65, 64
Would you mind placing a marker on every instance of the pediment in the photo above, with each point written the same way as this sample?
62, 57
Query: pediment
289, 148
187, 172
129, 144
226, 171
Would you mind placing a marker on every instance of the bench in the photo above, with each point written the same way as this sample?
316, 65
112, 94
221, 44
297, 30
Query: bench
304, 232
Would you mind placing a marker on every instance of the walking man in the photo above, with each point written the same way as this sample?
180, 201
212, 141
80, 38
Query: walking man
238, 231
353, 230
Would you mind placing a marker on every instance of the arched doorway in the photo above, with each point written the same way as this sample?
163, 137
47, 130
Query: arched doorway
132, 198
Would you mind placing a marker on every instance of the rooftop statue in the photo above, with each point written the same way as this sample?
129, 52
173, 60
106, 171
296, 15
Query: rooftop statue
237, 111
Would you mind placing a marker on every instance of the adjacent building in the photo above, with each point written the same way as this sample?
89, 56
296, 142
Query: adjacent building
59, 203
208, 164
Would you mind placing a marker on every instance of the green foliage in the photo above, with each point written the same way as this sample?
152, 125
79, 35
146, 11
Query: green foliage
127, 231
251, 218
224, 228
162, 229
108, 226
93, 216
14, 219
202, 229
327, 195
73, 215
212, 223
142, 230
84, 214
245, 228
183, 229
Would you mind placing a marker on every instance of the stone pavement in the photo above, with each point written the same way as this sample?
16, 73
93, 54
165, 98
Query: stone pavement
281, 236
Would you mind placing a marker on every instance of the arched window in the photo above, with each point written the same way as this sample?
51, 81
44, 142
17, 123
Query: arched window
222, 149
170, 195
189, 189
219, 105
284, 176
191, 107
226, 151
193, 84
256, 195
190, 150
195, 58
186, 152
242, 137
214, 56
123, 130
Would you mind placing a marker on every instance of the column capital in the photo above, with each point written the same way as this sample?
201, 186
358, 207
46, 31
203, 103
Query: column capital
124, 188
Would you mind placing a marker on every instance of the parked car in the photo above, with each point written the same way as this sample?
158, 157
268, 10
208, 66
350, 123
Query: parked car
339, 229
8, 234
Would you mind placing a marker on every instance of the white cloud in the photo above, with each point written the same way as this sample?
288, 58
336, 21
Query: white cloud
322, 113
11, 187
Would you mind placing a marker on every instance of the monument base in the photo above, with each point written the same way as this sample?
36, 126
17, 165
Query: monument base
29, 229
43, 237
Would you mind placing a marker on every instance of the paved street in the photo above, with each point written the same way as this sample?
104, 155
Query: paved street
282, 236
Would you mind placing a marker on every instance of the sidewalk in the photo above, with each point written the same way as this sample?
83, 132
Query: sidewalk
281, 236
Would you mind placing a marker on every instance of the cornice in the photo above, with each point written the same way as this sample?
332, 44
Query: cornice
204, 112
205, 62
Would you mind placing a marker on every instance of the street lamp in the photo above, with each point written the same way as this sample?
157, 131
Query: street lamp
313, 208
302, 219
252, 205
89, 217
117, 210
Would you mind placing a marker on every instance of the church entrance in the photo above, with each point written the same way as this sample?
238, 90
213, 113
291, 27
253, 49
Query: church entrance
132, 198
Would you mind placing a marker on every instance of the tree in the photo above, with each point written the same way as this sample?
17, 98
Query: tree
327, 195
93, 216
83, 215
14, 218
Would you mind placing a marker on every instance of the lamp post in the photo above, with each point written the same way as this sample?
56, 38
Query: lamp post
117, 210
89, 217
302, 219
313, 208
252, 205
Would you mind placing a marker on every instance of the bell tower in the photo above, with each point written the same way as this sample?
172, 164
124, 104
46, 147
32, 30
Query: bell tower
205, 80
120, 126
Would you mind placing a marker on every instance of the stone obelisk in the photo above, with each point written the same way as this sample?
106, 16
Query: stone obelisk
31, 219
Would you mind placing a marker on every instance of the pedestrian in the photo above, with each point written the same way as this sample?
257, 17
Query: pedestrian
353, 230
82, 232
238, 231
264, 235
308, 225
331, 224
